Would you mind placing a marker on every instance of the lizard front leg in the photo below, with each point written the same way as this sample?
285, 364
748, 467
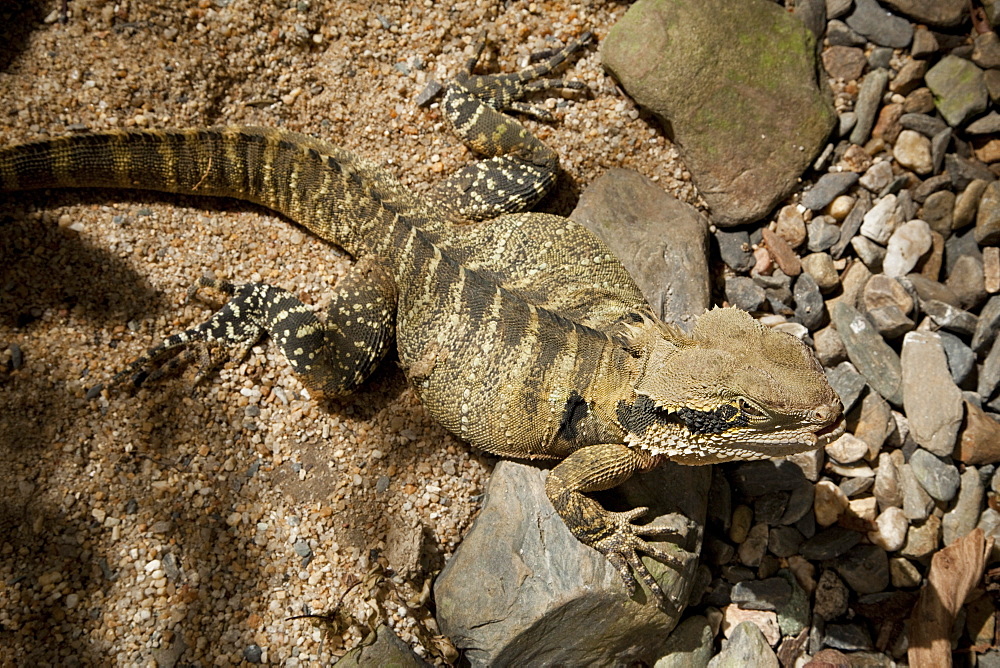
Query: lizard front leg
595, 468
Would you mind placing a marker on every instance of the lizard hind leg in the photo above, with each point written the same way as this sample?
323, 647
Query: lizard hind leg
330, 358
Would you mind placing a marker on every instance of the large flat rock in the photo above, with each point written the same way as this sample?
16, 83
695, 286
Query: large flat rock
735, 84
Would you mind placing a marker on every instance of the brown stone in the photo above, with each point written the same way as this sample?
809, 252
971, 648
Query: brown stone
844, 62
987, 148
930, 265
783, 255
991, 269
979, 438
920, 101
909, 77
887, 126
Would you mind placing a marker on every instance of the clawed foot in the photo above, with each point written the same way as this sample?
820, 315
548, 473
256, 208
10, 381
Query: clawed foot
200, 344
623, 546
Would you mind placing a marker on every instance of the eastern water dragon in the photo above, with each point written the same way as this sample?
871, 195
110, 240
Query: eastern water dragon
522, 333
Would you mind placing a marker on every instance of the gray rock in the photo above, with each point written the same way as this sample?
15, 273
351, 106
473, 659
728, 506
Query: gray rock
837, 8
869, 99
988, 124
909, 242
962, 518
988, 326
930, 397
922, 123
828, 187
812, 13
829, 543
880, 26
846, 382
746, 647
986, 50
989, 374
690, 644
387, 650
795, 613
959, 245
964, 171
988, 218
940, 13
680, 59
769, 594
846, 120
852, 223
967, 280
930, 186
874, 423
880, 290
890, 321
939, 144
839, 33
869, 352
865, 568
499, 609
832, 595
909, 77
961, 359
959, 89
734, 248
809, 306
938, 477
822, 234
878, 176
917, 503
784, 541
929, 290
950, 317
924, 43
937, 211
880, 56
662, 241
847, 637
869, 252
743, 293
760, 477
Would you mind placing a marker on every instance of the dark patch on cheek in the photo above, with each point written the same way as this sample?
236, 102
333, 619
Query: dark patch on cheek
716, 421
640, 415
573, 412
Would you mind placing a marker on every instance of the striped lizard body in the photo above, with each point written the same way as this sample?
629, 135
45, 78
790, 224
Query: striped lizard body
523, 334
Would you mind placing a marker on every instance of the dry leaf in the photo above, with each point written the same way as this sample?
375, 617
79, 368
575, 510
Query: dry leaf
954, 572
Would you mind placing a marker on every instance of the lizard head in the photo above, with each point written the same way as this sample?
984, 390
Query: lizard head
733, 389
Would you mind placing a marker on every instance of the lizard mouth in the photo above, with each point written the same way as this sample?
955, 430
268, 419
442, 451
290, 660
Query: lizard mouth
830, 432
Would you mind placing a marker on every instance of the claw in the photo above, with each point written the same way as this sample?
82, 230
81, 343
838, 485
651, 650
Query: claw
622, 549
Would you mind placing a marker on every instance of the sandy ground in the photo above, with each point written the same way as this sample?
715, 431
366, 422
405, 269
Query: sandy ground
190, 521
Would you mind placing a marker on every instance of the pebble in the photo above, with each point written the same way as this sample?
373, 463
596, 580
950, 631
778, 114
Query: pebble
790, 226
913, 151
827, 189
979, 441
890, 529
864, 568
846, 449
922, 539
846, 381
744, 293
959, 89
917, 503
844, 62
962, 518
887, 488
879, 26
877, 177
869, 252
988, 217
907, 245
961, 358
782, 254
903, 573
938, 478
869, 98
880, 222
869, 352
820, 266
809, 306
831, 597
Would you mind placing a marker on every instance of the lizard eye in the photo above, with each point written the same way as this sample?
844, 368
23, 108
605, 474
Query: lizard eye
749, 409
